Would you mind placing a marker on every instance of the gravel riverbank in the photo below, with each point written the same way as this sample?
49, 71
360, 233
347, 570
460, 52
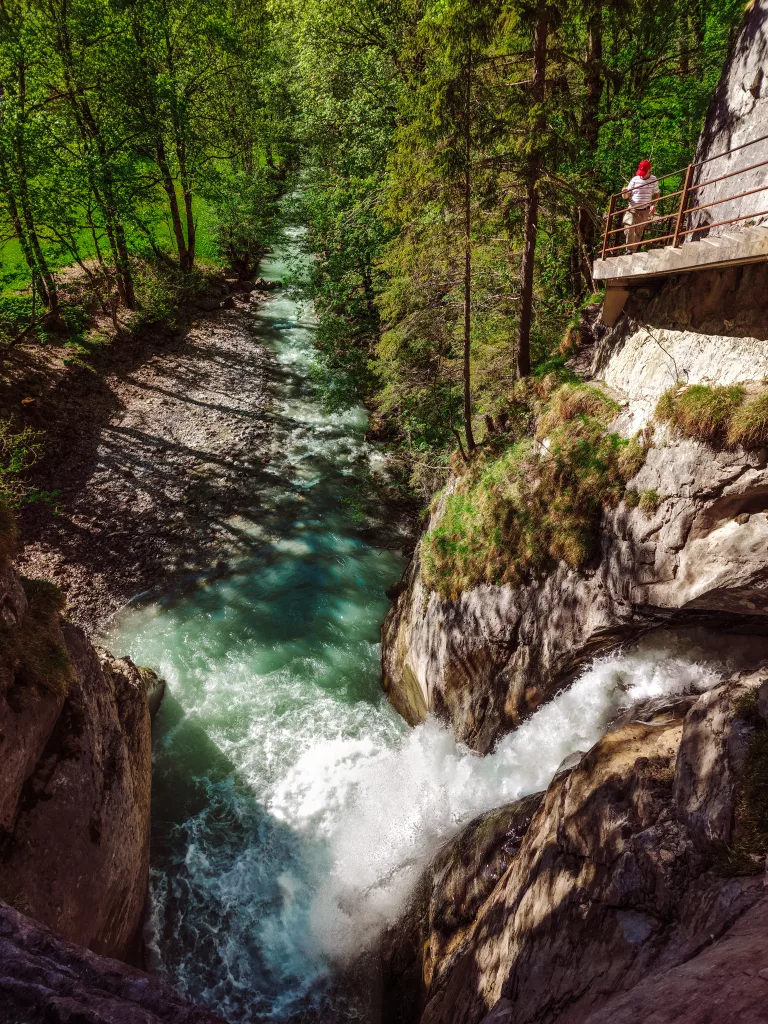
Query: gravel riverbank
154, 459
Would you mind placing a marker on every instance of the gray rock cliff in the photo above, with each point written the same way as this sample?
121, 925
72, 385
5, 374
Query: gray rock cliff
485, 661
737, 124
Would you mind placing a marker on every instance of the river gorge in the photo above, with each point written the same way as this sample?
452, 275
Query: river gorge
293, 810
383, 550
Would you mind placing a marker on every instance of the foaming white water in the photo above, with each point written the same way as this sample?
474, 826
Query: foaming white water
407, 801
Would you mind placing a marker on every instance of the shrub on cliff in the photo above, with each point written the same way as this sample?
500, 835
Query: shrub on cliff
719, 416
538, 501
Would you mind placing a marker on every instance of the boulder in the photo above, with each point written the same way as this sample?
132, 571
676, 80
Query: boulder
46, 980
207, 303
443, 909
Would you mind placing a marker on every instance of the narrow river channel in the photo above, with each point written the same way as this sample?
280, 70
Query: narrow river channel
274, 701
293, 810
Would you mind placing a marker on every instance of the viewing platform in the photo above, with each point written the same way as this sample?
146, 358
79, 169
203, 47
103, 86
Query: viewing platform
699, 222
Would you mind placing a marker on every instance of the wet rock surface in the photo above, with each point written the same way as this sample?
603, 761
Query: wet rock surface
154, 461
45, 980
613, 903
449, 897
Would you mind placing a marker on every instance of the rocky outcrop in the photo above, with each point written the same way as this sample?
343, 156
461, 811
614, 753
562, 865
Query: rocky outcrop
738, 116
487, 660
45, 980
621, 885
449, 897
75, 775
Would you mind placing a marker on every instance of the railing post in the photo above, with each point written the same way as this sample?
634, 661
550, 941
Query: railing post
611, 210
683, 204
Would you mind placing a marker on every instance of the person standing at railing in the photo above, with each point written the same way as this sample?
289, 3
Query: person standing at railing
642, 191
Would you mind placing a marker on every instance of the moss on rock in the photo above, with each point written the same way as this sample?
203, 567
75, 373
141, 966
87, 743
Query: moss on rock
34, 648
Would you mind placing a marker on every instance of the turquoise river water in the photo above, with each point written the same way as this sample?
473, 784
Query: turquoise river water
292, 808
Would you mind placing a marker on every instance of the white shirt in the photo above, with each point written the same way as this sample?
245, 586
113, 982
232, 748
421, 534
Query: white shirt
642, 190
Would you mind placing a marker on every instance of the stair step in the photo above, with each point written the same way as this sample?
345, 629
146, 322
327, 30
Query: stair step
757, 231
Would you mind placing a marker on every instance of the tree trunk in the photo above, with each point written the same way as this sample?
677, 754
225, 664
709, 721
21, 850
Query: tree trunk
590, 128
173, 202
533, 172
467, 369
186, 191
19, 207
180, 137
593, 79
49, 292
526, 278
191, 228
103, 191
18, 227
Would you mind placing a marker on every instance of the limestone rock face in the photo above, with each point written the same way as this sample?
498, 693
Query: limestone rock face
737, 115
487, 660
75, 781
46, 980
610, 887
707, 327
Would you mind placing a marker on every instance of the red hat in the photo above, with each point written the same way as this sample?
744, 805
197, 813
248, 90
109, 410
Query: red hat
643, 167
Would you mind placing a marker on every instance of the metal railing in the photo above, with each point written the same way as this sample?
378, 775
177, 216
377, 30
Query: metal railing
671, 227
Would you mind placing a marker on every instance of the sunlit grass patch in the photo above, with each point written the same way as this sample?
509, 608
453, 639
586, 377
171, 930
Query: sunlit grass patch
701, 411
732, 416
539, 501
748, 425
649, 501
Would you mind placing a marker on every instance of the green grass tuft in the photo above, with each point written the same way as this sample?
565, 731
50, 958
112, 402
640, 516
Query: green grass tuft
537, 502
700, 411
748, 426
633, 456
649, 501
